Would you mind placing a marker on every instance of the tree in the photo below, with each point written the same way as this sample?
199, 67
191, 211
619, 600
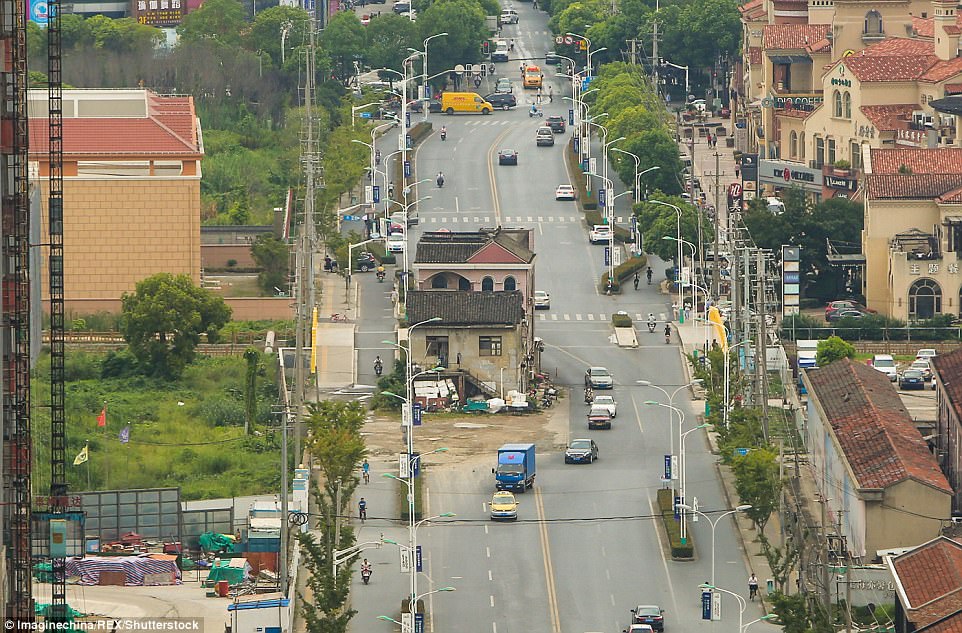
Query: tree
223, 21
265, 33
697, 32
832, 349
388, 40
163, 319
343, 39
757, 483
657, 221
463, 21
253, 357
274, 257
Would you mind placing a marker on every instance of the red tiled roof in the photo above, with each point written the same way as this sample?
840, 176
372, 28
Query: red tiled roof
951, 624
944, 160
948, 367
910, 186
954, 196
793, 36
754, 55
929, 579
889, 117
170, 128
873, 428
896, 46
944, 69
753, 9
824, 45
953, 89
889, 67
925, 27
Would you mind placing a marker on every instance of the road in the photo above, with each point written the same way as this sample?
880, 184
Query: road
585, 549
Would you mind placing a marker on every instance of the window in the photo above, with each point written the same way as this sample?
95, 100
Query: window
954, 235
436, 346
837, 100
847, 103
510, 285
487, 285
489, 346
463, 284
793, 144
831, 151
925, 299
801, 145
873, 23
819, 152
856, 155
439, 282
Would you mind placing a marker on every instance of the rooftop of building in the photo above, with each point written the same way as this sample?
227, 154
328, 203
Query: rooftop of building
925, 27
928, 580
503, 246
896, 116
901, 59
465, 307
873, 427
118, 123
917, 161
793, 36
753, 10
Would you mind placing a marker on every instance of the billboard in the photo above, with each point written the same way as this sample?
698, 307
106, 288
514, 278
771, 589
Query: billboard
37, 10
156, 12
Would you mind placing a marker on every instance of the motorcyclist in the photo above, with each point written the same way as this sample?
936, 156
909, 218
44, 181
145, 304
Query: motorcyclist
534, 110
380, 272
444, 133
637, 280
589, 395
648, 272
440, 179
378, 366
668, 333
651, 322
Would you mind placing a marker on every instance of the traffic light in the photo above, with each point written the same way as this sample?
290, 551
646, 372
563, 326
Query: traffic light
485, 47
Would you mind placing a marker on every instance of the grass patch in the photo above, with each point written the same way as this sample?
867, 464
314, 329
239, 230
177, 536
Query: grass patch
666, 500
187, 433
620, 320
402, 498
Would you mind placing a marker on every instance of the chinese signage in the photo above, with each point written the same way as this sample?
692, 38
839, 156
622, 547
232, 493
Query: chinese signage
158, 12
911, 137
791, 280
932, 268
38, 11
783, 174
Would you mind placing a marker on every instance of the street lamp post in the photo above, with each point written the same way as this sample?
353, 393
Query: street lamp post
671, 401
638, 174
727, 349
684, 477
742, 605
404, 627
678, 234
424, 84
713, 524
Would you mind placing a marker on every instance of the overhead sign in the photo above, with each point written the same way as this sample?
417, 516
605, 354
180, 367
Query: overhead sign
157, 12
569, 40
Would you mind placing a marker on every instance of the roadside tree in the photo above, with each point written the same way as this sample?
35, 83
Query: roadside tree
463, 21
832, 349
343, 40
274, 257
388, 40
757, 483
220, 20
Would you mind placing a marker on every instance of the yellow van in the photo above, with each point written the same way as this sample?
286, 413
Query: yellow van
532, 77
472, 102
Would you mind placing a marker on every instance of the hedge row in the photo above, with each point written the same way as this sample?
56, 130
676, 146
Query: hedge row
622, 272
620, 320
402, 498
587, 202
622, 234
666, 502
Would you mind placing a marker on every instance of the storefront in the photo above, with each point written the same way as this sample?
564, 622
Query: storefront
779, 175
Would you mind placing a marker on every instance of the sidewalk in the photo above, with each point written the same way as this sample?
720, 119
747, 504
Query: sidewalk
704, 167
335, 341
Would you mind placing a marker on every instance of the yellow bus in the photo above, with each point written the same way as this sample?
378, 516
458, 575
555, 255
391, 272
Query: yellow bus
532, 77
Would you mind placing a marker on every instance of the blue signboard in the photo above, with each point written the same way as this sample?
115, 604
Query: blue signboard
418, 623
790, 277
577, 145
585, 83
417, 414
602, 197
676, 504
350, 218
407, 169
366, 115
607, 256
667, 466
409, 141
417, 559
407, 119
377, 194
571, 116
416, 463
706, 605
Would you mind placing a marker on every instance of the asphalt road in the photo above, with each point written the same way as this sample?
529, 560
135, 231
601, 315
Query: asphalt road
585, 549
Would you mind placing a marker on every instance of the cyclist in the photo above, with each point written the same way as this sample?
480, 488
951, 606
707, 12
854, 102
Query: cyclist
362, 509
752, 587
648, 272
366, 471
637, 280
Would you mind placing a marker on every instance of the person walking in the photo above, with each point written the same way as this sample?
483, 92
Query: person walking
752, 587
550, 95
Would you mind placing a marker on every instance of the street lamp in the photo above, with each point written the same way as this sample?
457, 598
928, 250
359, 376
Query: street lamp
742, 605
360, 107
671, 401
424, 84
741, 508
678, 234
638, 174
691, 280
727, 348
411, 609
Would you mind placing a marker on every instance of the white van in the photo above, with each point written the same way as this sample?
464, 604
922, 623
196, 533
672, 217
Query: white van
886, 364
775, 206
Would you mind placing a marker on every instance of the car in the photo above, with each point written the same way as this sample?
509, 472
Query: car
542, 300
581, 451
912, 379
565, 192
649, 614
503, 100
365, 261
599, 417
551, 58
556, 123
607, 402
399, 219
504, 86
844, 304
599, 378
504, 506
600, 234
844, 313
698, 104
923, 366
418, 106
395, 242
509, 16
926, 353
886, 364
500, 54
639, 628
507, 157
401, 7
544, 137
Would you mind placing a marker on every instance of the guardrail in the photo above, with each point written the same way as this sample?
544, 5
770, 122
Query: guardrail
886, 334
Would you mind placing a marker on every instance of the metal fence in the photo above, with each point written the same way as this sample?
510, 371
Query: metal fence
907, 333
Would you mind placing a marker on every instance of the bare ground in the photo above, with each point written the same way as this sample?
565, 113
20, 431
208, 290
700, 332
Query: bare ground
468, 437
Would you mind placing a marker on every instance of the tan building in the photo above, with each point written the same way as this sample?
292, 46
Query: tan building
946, 370
880, 483
913, 232
132, 169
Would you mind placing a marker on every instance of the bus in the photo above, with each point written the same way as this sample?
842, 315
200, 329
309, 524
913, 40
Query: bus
532, 77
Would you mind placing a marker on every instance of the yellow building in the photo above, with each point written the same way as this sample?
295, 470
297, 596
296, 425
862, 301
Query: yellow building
131, 190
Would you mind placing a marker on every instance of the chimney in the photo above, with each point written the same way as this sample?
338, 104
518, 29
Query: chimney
946, 29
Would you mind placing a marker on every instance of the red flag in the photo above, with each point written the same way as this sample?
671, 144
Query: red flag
102, 418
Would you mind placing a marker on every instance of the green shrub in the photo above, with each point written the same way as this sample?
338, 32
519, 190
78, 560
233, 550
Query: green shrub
666, 502
622, 272
222, 411
621, 320
587, 202
81, 366
402, 498
120, 364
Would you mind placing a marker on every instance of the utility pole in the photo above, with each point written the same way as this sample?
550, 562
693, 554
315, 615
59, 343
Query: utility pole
715, 278
761, 357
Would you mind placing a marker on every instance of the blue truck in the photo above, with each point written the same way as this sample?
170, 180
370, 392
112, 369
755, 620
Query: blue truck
516, 468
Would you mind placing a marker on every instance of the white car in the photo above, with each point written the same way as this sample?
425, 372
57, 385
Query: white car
565, 192
923, 366
542, 300
607, 402
600, 233
886, 364
926, 354
509, 16
395, 243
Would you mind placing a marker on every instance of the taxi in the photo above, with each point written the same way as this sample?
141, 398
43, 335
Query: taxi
504, 507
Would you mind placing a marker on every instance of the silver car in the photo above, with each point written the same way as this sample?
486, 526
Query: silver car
599, 378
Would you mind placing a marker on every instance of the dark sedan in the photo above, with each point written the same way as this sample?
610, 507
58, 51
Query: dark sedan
556, 123
912, 379
507, 157
502, 100
649, 614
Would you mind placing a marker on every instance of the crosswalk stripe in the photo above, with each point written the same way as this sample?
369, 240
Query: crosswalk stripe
530, 219
577, 317
541, 219
554, 317
591, 317
638, 317
567, 317
541, 317
602, 317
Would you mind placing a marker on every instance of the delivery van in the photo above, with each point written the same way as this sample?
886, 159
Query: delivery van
471, 102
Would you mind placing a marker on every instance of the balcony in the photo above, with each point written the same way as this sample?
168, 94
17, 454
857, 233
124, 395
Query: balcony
917, 246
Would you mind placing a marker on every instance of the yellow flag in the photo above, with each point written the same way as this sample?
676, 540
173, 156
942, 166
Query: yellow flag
81, 456
714, 315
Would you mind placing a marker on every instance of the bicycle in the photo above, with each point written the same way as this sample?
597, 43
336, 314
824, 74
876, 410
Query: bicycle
362, 510
366, 476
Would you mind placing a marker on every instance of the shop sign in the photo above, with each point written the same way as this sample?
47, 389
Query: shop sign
911, 136
806, 103
834, 182
158, 12
846, 83
783, 174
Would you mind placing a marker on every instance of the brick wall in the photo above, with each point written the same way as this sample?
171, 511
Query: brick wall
216, 255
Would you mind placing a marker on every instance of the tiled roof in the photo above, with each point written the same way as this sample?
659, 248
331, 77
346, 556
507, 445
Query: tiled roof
950, 624
925, 27
889, 67
824, 45
889, 117
873, 428
945, 160
170, 128
954, 196
944, 69
911, 186
794, 113
793, 36
951, 89
464, 307
753, 10
949, 368
459, 248
896, 46
754, 55
929, 583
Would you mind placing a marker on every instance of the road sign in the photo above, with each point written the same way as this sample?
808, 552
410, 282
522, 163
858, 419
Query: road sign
571, 116
405, 560
602, 195
418, 623
469, 68
351, 218
366, 115
417, 413
706, 602
377, 193
582, 45
407, 169
404, 466
407, 119
417, 560
559, 39
569, 40
667, 467
607, 256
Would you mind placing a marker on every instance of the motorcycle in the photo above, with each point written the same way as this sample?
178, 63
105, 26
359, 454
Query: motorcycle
444, 135
366, 575
651, 327
380, 276
378, 368
546, 402
589, 396
535, 112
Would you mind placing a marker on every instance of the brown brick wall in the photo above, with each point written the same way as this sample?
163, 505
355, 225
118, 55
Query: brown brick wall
216, 255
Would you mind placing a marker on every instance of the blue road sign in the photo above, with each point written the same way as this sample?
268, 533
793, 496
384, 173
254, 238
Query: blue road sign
417, 559
571, 116
407, 119
607, 256
418, 622
585, 83
407, 169
366, 115
602, 197
706, 605
577, 145
416, 463
668, 467
351, 218
377, 194
409, 141
741, 451
417, 414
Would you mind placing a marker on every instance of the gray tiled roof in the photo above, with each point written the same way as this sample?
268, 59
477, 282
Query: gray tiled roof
459, 247
464, 307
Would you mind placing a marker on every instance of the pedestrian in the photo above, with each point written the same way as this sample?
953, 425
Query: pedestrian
491, 68
550, 95
752, 587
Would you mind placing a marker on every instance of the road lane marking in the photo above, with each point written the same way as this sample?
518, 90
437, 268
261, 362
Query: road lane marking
492, 601
485, 529
607, 575
548, 567
604, 553
634, 405
489, 575
656, 512
612, 596
487, 551
492, 180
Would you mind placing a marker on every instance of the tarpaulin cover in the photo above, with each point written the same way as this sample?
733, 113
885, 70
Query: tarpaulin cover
134, 568
234, 571
213, 542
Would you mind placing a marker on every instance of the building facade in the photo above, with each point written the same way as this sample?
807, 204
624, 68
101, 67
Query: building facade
946, 369
132, 170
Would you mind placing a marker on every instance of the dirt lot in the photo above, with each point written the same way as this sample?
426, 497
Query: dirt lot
469, 437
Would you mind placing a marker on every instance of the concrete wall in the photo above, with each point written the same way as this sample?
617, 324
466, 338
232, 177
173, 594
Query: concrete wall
465, 341
900, 518
217, 255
